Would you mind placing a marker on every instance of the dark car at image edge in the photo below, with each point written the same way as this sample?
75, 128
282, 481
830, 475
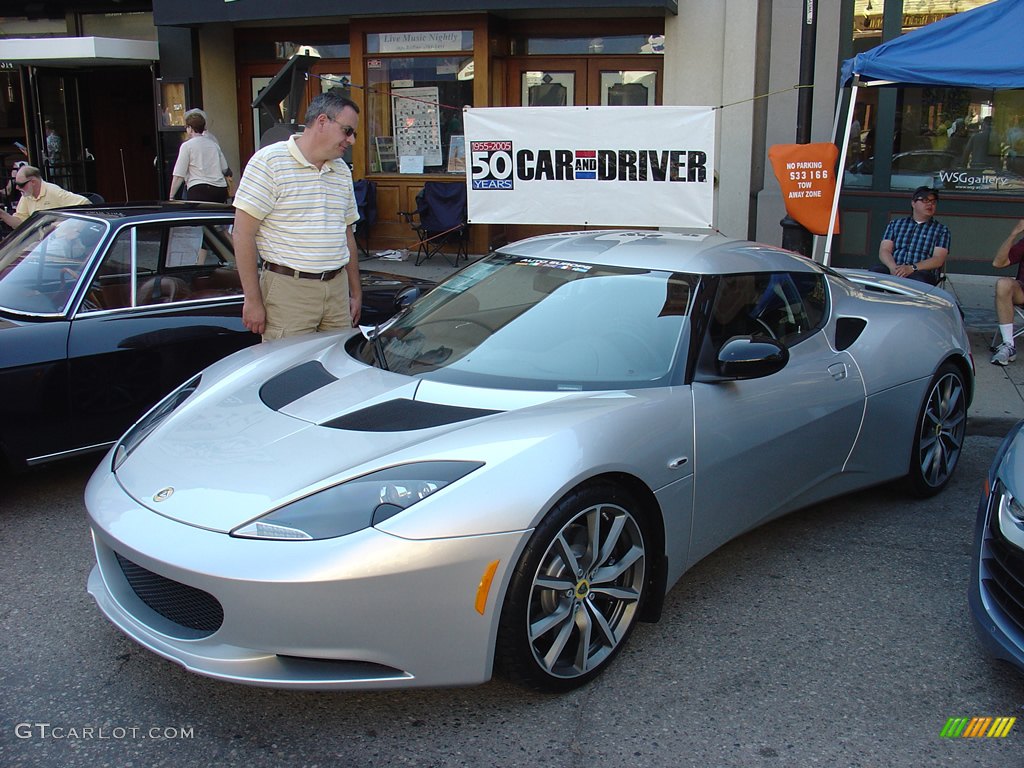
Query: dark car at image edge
996, 593
106, 309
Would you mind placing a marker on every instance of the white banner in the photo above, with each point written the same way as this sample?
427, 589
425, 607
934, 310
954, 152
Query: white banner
593, 166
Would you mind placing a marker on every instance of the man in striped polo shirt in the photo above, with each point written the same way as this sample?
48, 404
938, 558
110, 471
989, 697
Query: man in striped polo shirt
295, 208
915, 246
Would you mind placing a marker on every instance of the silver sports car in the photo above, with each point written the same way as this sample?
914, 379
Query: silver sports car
510, 475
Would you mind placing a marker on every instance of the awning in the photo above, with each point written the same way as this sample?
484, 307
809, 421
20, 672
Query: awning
78, 51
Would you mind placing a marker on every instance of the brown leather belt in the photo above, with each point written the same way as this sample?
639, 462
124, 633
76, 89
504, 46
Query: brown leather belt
329, 275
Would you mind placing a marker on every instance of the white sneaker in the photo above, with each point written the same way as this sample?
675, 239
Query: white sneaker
1005, 354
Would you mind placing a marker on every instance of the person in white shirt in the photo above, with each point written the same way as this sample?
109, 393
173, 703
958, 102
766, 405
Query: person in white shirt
201, 165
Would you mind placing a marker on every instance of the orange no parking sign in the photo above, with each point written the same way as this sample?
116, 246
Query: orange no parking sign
806, 173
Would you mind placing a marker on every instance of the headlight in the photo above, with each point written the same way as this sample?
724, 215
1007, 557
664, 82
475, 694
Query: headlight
358, 503
1009, 507
1009, 515
149, 422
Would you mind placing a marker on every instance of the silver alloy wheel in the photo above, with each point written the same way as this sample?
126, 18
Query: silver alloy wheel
943, 425
584, 595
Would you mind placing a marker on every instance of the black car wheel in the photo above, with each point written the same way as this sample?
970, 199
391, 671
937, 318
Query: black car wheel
940, 432
577, 591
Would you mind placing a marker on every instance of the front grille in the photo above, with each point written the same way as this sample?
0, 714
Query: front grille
184, 605
1005, 568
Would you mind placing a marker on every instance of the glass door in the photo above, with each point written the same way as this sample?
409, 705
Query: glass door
58, 128
624, 81
547, 82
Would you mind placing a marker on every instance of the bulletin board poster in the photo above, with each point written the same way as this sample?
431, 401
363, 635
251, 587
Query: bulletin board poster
416, 123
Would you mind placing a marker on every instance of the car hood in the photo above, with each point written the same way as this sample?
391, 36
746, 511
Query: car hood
247, 442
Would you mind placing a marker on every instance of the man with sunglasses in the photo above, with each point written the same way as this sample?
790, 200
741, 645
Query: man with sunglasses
37, 195
915, 246
294, 209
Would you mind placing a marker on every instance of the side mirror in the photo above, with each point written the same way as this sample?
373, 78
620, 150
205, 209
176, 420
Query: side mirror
406, 297
751, 357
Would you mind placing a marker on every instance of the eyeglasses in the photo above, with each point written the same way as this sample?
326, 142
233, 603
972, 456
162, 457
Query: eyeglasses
22, 184
348, 130
931, 200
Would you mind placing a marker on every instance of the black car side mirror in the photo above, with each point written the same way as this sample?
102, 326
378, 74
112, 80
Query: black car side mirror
751, 357
406, 297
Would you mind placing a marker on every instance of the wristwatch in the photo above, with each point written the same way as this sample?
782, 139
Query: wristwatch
914, 267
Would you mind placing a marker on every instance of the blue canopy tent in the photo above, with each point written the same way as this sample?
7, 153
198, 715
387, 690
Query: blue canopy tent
980, 48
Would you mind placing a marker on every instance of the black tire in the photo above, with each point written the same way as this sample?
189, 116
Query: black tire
569, 610
939, 438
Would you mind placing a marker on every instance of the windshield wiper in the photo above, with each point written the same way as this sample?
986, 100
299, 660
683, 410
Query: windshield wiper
372, 334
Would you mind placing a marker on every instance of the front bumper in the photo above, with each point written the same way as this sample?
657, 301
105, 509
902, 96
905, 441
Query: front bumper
368, 610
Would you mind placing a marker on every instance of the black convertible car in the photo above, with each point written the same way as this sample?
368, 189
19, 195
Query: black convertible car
103, 310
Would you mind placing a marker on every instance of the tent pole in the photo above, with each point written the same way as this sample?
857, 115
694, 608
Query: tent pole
826, 257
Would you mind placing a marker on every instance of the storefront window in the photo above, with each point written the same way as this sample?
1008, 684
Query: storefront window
12, 128
961, 139
414, 112
132, 26
251, 50
618, 45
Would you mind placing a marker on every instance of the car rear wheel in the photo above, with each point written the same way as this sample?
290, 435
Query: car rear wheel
941, 428
577, 591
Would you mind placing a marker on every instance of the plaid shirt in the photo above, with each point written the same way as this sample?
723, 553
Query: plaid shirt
913, 242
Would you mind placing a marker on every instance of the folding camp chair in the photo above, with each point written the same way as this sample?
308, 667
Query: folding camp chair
440, 220
366, 202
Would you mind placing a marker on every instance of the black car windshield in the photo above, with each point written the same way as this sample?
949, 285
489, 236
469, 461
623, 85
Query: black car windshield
42, 261
528, 323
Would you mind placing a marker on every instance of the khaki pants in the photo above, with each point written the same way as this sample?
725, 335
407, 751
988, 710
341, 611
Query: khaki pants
297, 306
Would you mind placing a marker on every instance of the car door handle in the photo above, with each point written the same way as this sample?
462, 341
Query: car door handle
837, 371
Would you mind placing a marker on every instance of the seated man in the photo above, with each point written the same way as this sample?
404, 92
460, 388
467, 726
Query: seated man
915, 246
1009, 291
37, 195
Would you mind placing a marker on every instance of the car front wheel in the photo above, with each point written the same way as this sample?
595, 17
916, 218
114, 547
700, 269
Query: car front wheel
577, 591
941, 427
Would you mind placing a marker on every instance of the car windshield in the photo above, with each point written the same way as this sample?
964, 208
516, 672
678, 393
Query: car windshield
512, 322
41, 263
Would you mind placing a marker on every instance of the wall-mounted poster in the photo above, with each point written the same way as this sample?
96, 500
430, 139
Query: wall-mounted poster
173, 98
416, 123
457, 155
387, 161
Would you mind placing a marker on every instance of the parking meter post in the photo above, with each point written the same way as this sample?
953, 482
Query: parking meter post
795, 237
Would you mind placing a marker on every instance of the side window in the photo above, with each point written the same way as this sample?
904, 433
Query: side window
189, 262
792, 305
204, 259
782, 305
172, 264
111, 287
733, 313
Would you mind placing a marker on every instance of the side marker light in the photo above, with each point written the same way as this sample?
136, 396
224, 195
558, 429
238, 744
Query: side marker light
484, 588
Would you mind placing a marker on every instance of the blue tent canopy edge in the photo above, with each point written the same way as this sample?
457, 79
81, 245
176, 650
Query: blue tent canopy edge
979, 48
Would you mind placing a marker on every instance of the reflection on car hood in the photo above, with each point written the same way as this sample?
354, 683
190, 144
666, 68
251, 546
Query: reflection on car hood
229, 457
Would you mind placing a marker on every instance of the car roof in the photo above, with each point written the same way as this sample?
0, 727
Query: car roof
148, 211
693, 252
